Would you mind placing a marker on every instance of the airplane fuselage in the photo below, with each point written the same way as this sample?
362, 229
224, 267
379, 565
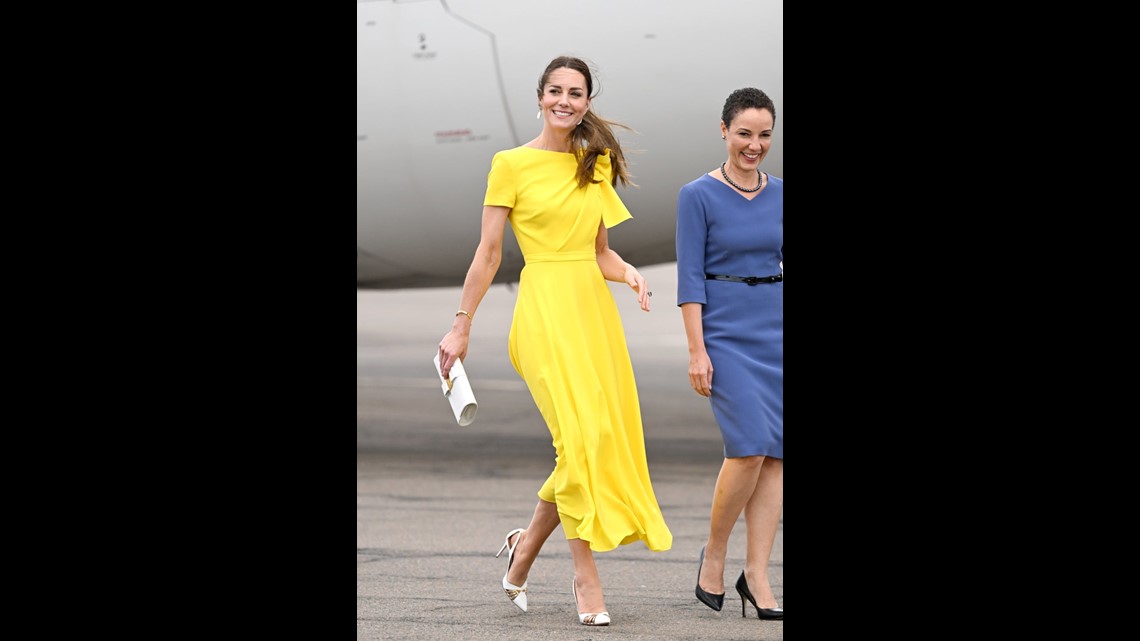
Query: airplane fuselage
443, 85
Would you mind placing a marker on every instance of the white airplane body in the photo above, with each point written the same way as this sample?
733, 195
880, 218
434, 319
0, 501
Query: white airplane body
444, 84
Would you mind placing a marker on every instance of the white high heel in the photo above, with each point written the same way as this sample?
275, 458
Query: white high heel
516, 593
599, 618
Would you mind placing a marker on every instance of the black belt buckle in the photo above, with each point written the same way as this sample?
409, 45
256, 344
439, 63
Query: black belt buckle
752, 280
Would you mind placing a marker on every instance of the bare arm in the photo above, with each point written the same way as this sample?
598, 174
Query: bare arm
700, 367
615, 269
484, 266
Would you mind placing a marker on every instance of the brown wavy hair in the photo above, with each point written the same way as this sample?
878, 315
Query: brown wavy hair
595, 135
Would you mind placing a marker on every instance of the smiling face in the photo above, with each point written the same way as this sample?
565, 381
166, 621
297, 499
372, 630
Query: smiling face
565, 99
748, 138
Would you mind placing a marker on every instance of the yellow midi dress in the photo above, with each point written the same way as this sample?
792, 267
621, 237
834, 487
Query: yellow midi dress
567, 343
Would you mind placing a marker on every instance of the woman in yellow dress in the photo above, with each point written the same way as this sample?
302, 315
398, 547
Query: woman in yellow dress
566, 339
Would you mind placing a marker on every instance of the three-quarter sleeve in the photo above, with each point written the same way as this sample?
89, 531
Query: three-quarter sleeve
692, 234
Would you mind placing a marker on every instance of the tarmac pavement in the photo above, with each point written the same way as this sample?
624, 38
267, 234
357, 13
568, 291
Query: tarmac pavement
434, 500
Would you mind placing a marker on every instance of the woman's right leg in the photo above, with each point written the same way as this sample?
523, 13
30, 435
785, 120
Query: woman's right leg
734, 486
542, 524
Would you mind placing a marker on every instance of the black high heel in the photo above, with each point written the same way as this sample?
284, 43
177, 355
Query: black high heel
714, 601
763, 613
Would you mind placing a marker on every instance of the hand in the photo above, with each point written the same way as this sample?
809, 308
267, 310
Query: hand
700, 374
453, 347
637, 282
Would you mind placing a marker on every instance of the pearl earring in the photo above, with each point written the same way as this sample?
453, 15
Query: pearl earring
538, 116
723, 138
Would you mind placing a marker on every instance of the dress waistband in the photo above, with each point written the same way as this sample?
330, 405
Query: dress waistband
550, 257
751, 280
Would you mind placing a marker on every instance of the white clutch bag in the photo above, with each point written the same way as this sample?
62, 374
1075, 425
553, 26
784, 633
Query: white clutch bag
457, 390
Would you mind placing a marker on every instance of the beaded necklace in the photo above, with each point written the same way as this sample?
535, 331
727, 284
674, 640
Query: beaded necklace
756, 188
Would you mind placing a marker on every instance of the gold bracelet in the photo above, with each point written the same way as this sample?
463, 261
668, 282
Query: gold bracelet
467, 314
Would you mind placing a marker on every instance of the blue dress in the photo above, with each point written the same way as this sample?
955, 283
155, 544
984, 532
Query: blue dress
720, 231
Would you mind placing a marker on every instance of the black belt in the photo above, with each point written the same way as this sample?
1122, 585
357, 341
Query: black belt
751, 280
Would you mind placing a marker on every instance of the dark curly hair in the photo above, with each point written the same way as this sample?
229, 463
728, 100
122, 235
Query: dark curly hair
747, 98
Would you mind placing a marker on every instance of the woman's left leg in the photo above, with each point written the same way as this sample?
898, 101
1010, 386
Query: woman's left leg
587, 583
762, 518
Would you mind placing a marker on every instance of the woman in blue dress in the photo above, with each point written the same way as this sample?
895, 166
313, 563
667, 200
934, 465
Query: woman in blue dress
730, 273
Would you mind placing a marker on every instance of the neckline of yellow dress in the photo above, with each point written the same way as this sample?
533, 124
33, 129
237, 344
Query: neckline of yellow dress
547, 150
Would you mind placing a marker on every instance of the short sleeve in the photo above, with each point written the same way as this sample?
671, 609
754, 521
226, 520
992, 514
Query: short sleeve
501, 183
614, 210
